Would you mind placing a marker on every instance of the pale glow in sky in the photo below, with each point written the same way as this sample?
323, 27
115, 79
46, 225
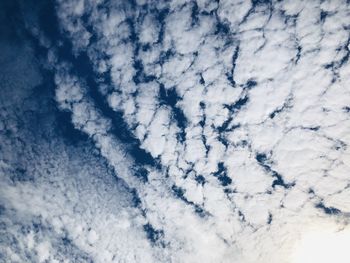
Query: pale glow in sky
323, 245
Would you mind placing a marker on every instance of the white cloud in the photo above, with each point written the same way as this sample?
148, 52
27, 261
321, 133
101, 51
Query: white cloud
253, 128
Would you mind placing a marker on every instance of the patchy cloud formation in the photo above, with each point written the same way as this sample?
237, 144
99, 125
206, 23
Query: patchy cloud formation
172, 131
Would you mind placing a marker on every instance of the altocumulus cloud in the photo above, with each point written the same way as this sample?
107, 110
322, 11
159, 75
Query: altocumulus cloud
172, 131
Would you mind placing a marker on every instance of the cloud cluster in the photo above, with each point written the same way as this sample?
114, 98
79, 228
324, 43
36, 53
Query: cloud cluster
227, 122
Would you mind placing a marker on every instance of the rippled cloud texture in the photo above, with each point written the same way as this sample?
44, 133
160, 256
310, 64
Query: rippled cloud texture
171, 131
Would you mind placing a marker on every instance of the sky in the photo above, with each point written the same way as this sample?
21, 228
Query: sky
213, 131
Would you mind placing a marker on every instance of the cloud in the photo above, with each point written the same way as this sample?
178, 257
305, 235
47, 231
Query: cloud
245, 85
227, 123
